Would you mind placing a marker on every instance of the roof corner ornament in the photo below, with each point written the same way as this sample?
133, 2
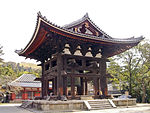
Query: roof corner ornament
142, 37
86, 15
39, 14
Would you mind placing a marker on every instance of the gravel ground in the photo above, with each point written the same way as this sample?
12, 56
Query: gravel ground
12, 108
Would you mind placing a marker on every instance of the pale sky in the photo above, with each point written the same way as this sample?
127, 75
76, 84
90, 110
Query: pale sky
118, 18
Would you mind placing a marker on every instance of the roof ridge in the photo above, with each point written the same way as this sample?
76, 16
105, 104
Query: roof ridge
92, 36
86, 16
78, 21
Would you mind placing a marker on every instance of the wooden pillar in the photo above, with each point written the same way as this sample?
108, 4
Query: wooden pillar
55, 86
73, 87
47, 87
44, 89
24, 94
82, 85
59, 77
13, 96
103, 81
86, 87
98, 85
95, 81
65, 92
53, 83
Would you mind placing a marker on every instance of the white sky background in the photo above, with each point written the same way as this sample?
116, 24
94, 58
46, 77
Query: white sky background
118, 18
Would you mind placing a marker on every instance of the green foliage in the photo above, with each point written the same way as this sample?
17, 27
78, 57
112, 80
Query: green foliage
7, 74
131, 70
1, 53
9, 71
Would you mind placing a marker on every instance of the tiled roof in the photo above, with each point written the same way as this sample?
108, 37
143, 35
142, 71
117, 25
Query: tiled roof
44, 26
26, 80
101, 38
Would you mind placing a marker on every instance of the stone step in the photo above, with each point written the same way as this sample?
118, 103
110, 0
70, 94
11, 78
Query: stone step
26, 104
99, 108
101, 103
98, 100
97, 104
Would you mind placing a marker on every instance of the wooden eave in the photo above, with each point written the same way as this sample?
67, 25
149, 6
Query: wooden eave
44, 26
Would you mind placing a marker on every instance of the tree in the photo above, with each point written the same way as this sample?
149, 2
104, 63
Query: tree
9, 71
1, 53
7, 75
144, 69
118, 75
133, 68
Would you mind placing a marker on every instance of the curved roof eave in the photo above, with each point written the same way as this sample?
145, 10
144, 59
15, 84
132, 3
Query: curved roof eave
33, 37
62, 29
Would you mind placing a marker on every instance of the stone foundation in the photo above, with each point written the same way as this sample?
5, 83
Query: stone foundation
71, 104
86, 97
124, 102
58, 105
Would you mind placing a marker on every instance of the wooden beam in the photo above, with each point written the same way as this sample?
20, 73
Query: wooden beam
81, 75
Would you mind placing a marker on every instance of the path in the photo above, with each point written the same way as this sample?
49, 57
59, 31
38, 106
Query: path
12, 108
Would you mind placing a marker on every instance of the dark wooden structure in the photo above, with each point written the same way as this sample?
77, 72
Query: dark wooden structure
74, 52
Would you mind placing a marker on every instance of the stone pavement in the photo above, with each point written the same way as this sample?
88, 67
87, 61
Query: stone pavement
139, 108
